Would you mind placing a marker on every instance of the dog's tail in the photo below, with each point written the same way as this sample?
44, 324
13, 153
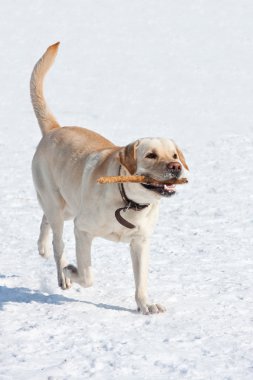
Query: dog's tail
45, 118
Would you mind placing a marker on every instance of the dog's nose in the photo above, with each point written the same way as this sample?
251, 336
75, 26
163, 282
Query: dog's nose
174, 167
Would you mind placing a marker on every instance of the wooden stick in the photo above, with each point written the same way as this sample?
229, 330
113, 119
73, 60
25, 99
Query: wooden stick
141, 179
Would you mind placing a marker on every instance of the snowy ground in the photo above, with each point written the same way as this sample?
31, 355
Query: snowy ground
131, 69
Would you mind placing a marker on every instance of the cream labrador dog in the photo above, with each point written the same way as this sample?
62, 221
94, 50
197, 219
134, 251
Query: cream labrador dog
66, 165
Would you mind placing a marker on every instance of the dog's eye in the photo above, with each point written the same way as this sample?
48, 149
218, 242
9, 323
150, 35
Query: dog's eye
152, 156
175, 156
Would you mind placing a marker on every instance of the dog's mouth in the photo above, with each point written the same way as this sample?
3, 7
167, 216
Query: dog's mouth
161, 189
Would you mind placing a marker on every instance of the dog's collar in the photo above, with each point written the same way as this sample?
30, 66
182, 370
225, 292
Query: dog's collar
129, 205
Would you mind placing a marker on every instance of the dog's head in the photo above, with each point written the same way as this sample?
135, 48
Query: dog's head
158, 158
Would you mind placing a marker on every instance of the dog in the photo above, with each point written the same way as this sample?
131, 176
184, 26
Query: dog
65, 168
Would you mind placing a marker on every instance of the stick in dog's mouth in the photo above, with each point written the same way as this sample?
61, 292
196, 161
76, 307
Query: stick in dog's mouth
141, 179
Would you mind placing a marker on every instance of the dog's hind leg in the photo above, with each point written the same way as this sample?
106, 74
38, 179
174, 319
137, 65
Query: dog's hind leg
58, 246
44, 242
83, 273
53, 206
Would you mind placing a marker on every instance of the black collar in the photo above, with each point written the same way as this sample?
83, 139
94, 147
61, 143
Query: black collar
129, 205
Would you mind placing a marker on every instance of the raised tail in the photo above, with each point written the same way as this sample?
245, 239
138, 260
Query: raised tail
45, 118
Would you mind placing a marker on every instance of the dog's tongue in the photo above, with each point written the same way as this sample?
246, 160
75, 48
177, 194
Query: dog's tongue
169, 187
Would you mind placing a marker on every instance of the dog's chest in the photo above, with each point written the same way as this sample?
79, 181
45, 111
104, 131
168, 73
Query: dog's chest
123, 236
119, 233
108, 227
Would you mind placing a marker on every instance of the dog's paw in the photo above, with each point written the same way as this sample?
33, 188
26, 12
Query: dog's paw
64, 281
154, 308
70, 272
86, 280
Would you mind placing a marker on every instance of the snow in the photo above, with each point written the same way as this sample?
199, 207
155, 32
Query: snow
127, 70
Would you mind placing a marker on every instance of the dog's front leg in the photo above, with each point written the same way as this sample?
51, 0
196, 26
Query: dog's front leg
83, 273
140, 257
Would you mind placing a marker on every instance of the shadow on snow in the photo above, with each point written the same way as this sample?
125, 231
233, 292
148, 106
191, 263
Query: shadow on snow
25, 295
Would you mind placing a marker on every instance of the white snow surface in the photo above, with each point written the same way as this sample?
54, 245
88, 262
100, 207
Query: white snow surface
129, 69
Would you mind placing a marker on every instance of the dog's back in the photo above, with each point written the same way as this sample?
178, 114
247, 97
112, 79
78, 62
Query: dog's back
60, 154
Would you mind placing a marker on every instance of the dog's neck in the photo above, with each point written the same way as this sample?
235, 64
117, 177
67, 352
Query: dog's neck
129, 205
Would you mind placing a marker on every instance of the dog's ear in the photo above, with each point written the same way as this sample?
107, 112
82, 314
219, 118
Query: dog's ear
182, 158
127, 157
